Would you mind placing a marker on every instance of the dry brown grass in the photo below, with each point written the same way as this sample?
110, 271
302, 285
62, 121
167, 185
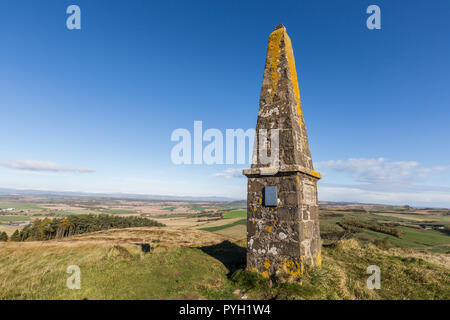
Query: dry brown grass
438, 258
157, 235
28, 263
25, 264
9, 229
238, 232
193, 222
114, 267
423, 217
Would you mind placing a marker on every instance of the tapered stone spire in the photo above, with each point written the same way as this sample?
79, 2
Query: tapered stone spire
282, 226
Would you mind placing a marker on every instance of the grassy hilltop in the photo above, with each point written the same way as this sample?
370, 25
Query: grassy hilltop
200, 253
194, 264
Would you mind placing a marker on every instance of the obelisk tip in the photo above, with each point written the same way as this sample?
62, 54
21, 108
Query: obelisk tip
279, 27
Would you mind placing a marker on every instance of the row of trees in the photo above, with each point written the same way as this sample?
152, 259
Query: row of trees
3, 237
356, 226
46, 229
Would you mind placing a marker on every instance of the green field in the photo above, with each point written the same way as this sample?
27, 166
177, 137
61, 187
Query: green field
68, 212
117, 211
235, 214
225, 226
419, 239
202, 208
176, 215
414, 219
14, 218
19, 205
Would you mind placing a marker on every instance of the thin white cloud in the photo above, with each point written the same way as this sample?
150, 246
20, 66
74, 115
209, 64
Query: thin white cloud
355, 194
383, 181
41, 166
381, 171
230, 173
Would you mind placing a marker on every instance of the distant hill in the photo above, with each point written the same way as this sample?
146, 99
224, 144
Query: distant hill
153, 197
129, 196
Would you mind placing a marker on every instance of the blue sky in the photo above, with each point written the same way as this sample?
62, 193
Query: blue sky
93, 109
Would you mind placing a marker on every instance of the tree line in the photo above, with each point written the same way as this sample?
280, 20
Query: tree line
356, 226
3, 237
46, 229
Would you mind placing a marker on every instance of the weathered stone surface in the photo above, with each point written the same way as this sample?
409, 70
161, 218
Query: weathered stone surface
285, 238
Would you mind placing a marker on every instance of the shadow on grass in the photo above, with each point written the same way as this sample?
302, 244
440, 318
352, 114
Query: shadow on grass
231, 255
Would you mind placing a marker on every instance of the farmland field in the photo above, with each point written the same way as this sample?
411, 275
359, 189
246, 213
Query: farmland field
420, 229
18, 205
14, 218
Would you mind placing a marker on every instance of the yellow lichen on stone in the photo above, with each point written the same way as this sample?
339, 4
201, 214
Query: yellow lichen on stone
291, 267
254, 208
269, 228
316, 174
293, 74
273, 59
267, 263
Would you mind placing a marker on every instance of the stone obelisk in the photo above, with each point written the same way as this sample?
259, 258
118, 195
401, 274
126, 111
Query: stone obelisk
283, 215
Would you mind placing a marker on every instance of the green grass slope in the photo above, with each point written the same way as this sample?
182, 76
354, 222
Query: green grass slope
114, 266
